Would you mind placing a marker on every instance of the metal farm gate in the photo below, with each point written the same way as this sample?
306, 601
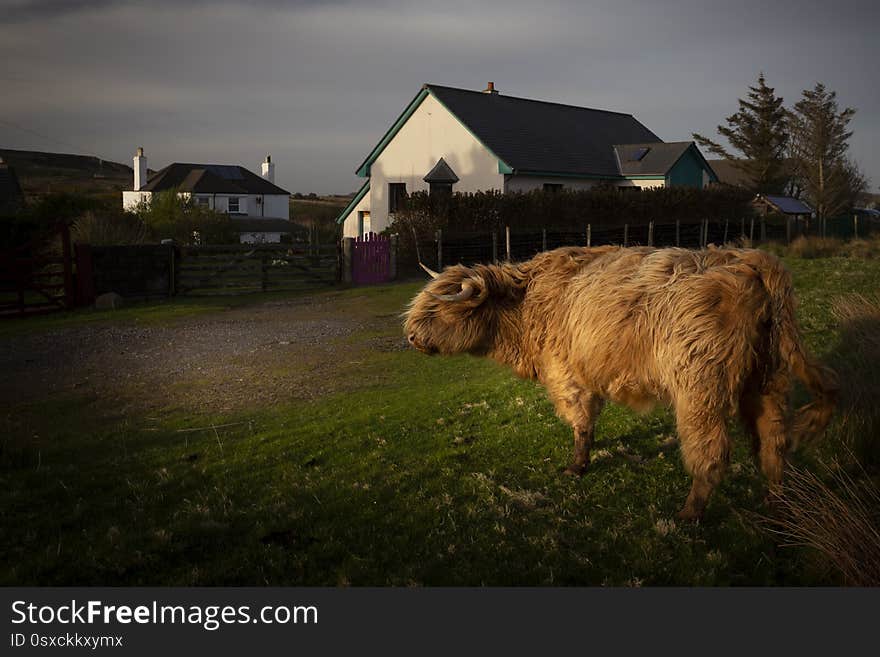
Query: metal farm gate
371, 259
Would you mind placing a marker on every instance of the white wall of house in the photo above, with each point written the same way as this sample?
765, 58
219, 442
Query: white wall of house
430, 133
644, 183
351, 225
269, 206
130, 199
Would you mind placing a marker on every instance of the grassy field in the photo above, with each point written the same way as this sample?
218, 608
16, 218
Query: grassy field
426, 471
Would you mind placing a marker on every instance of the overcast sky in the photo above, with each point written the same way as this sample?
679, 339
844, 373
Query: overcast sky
316, 84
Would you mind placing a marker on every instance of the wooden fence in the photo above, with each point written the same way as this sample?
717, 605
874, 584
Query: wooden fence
241, 269
38, 277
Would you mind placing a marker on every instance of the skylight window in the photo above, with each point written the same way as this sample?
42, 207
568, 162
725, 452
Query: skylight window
638, 154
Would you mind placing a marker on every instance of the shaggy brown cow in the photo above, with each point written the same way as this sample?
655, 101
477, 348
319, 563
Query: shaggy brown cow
710, 332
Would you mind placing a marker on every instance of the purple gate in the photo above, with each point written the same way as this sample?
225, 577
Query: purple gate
371, 259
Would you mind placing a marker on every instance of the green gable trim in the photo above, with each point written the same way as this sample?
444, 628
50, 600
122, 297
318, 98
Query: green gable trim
357, 199
654, 177
364, 169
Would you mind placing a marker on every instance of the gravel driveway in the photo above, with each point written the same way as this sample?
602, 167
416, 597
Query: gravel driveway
231, 359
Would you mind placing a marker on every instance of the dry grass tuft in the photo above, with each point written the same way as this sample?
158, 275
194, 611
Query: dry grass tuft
827, 247
815, 247
857, 361
838, 518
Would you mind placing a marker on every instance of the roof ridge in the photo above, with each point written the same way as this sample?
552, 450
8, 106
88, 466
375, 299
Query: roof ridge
532, 100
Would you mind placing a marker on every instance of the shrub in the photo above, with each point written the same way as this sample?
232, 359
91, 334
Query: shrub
109, 229
169, 216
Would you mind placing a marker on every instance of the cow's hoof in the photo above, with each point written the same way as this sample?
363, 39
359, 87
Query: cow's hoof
575, 470
689, 515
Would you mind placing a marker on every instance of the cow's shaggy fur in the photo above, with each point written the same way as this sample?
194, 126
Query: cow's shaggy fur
711, 333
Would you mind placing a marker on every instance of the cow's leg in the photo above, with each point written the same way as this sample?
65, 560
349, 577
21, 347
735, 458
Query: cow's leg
763, 414
705, 449
582, 416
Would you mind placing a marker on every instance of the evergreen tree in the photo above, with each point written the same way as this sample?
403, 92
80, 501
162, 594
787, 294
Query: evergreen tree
759, 133
819, 145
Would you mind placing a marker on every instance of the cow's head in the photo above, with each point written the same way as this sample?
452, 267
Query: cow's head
460, 309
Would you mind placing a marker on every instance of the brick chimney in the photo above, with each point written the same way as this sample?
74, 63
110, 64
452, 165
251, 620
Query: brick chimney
140, 169
269, 169
490, 89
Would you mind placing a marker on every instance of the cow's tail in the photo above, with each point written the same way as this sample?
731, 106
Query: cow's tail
810, 420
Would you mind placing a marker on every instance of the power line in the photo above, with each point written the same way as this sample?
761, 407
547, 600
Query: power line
45, 137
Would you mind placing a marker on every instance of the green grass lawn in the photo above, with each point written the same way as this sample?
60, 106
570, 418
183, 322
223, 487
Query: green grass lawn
433, 471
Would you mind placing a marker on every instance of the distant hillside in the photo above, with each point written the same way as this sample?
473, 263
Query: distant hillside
43, 173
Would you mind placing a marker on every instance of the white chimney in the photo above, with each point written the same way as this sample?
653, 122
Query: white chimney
269, 169
140, 169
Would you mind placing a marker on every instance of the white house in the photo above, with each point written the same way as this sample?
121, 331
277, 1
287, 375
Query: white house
468, 141
259, 208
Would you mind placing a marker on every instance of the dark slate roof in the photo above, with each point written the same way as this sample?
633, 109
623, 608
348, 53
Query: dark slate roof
441, 173
11, 198
541, 137
787, 204
210, 179
656, 158
257, 225
729, 174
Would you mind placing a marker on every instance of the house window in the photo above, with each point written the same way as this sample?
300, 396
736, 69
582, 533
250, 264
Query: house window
233, 205
552, 187
396, 197
202, 201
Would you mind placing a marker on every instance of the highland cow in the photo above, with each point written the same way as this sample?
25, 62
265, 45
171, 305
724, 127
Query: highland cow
711, 333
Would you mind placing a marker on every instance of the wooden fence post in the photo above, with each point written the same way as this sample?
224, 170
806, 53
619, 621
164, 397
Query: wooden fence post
172, 272
855, 226
264, 272
763, 230
625, 235
85, 275
494, 246
651, 233
69, 291
392, 258
347, 258
507, 240
752, 229
543, 239
589, 235
725, 232
439, 250
787, 229
677, 232
742, 227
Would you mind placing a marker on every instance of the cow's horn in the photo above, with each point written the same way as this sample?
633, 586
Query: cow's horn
467, 291
431, 272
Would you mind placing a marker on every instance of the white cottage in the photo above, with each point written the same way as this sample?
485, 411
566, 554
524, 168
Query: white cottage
258, 207
468, 141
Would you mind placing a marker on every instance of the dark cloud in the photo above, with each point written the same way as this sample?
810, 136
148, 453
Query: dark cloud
318, 83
